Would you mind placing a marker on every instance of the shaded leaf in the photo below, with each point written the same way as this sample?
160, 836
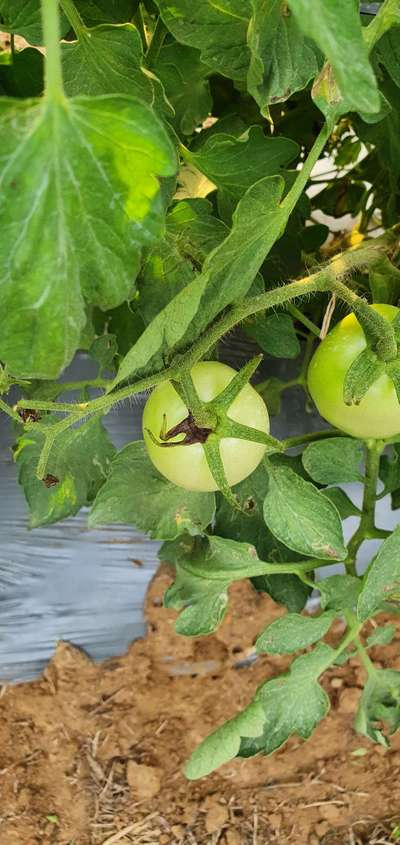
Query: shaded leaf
23, 77
336, 29
136, 494
382, 581
334, 461
304, 520
228, 273
292, 632
249, 527
80, 460
234, 164
108, 59
382, 635
378, 715
185, 79
218, 30
283, 60
339, 592
275, 335
342, 502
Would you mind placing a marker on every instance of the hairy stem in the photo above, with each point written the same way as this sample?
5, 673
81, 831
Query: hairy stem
9, 411
366, 528
73, 16
302, 318
54, 89
293, 196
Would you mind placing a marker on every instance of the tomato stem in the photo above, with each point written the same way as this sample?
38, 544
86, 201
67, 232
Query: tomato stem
366, 527
54, 89
157, 40
74, 18
139, 23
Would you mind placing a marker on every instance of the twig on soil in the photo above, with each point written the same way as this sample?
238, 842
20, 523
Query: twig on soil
255, 825
131, 828
321, 804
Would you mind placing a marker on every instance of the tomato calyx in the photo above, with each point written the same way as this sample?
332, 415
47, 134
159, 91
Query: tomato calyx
193, 433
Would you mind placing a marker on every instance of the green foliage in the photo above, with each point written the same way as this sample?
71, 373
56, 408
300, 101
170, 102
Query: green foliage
234, 164
79, 465
94, 155
164, 169
283, 60
383, 635
293, 632
290, 704
300, 517
379, 712
382, 581
334, 461
275, 335
136, 494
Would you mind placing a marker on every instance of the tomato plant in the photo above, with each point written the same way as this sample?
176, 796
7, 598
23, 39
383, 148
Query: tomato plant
187, 465
173, 175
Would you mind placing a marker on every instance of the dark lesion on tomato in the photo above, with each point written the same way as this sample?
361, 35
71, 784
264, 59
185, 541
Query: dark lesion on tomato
193, 433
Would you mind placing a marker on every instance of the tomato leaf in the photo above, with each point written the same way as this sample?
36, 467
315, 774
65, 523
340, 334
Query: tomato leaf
108, 59
378, 714
275, 335
91, 166
185, 79
337, 31
234, 164
23, 17
23, 77
218, 30
196, 230
339, 592
289, 704
79, 461
300, 517
382, 635
283, 60
334, 461
192, 231
341, 501
382, 581
389, 471
204, 571
228, 272
292, 632
250, 527
136, 494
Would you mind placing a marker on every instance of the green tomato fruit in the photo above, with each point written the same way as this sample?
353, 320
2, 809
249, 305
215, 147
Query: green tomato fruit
186, 466
378, 414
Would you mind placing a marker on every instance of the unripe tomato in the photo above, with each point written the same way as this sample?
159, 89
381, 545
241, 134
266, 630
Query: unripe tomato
378, 414
186, 466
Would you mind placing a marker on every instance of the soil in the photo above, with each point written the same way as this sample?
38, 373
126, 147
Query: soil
92, 754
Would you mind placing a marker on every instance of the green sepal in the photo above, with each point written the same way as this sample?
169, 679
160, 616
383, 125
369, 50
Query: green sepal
230, 428
393, 371
214, 461
363, 372
231, 391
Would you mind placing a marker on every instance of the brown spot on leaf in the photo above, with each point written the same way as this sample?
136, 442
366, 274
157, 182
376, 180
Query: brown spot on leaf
50, 480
